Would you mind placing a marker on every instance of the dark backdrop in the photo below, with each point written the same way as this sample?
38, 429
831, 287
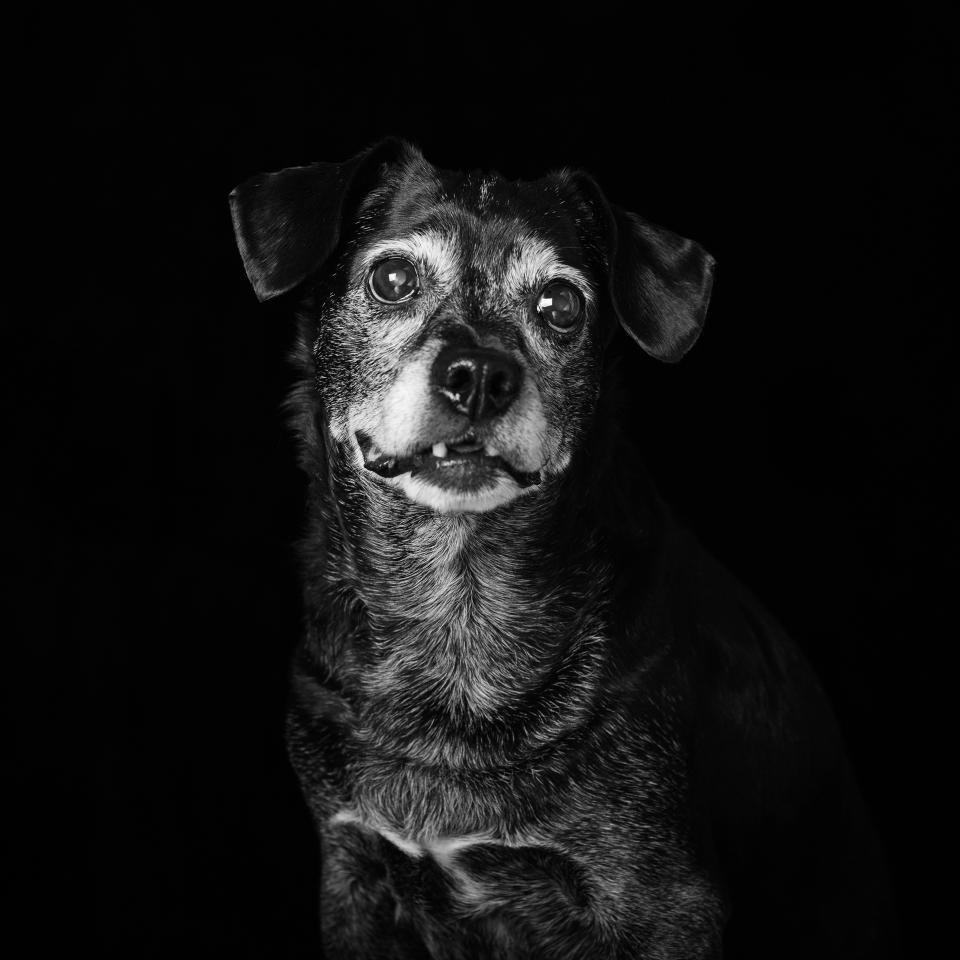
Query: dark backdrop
803, 438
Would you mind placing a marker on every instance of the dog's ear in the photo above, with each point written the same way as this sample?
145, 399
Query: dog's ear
659, 282
288, 223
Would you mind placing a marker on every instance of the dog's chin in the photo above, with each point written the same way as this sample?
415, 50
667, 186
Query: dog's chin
449, 497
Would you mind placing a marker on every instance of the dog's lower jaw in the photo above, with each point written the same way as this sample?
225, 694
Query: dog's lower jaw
450, 500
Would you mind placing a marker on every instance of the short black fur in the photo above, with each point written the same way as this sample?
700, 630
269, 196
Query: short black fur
557, 727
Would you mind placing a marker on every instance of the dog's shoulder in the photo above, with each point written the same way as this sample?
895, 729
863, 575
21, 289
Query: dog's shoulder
682, 623
763, 734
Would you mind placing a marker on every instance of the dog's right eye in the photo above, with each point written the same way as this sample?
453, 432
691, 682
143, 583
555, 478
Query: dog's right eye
394, 280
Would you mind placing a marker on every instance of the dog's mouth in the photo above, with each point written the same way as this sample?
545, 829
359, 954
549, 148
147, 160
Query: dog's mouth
466, 461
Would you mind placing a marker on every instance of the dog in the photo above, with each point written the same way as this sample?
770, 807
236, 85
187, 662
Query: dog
531, 716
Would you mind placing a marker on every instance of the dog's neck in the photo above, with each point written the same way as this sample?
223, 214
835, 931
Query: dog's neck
488, 626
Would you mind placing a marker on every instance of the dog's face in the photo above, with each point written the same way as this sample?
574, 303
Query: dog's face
460, 361
459, 338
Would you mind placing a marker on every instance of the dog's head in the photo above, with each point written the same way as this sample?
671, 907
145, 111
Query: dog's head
462, 317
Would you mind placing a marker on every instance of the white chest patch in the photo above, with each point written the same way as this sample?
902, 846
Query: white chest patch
444, 851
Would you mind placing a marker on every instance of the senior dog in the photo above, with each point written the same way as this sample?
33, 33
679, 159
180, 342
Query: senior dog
531, 716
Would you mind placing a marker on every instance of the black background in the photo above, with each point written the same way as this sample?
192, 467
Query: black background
804, 437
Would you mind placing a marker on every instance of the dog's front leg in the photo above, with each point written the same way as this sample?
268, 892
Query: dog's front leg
361, 917
534, 902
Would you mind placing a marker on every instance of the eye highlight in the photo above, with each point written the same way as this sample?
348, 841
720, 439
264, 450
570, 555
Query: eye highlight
393, 280
560, 305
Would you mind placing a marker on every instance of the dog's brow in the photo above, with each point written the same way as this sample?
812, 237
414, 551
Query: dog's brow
533, 261
435, 250
529, 263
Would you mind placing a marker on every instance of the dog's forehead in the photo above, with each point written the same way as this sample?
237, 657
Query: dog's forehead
490, 195
488, 232
485, 213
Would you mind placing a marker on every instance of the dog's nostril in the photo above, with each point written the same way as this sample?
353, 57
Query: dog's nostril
459, 377
501, 388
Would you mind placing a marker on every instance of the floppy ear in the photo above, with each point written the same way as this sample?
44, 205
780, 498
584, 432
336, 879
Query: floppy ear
659, 282
287, 223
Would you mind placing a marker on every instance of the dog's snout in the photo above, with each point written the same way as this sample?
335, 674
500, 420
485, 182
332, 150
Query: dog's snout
476, 381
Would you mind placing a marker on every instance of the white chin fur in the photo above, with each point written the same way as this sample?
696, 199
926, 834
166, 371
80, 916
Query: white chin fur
451, 501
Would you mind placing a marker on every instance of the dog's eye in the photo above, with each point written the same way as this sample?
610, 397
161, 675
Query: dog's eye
394, 280
559, 304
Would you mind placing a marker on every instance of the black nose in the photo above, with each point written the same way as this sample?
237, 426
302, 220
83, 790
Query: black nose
478, 382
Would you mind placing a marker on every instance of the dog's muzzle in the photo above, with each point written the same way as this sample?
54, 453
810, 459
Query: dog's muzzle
468, 387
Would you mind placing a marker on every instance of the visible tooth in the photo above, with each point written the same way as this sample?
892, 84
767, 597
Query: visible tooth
440, 450
491, 452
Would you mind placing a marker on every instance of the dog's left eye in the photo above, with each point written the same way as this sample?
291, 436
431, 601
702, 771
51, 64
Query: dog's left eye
560, 305
394, 280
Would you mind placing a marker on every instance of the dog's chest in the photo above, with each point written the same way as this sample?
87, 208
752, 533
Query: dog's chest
471, 875
449, 852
